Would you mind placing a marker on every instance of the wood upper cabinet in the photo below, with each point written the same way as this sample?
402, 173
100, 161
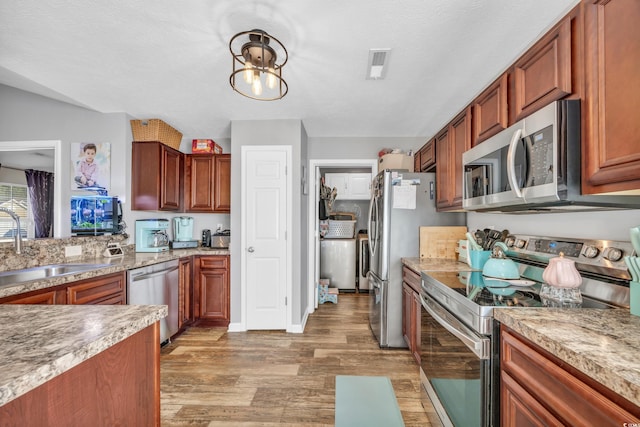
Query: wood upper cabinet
208, 183
222, 180
490, 112
427, 156
611, 129
544, 73
185, 292
156, 177
212, 290
539, 389
104, 290
451, 142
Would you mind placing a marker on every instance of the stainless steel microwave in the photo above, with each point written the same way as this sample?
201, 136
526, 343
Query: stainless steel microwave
533, 166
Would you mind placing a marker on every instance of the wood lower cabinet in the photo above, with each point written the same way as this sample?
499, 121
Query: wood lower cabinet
538, 389
451, 142
156, 177
212, 290
611, 129
411, 309
45, 296
106, 290
490, 112
185, 292
208, 183
119, 386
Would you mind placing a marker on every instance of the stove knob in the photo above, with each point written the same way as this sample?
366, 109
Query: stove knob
613, 254
520, 243
591, 252
509, 241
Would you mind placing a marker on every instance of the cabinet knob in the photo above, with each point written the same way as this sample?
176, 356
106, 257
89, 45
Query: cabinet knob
250, 249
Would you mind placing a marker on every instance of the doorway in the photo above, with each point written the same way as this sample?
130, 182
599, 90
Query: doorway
315, 167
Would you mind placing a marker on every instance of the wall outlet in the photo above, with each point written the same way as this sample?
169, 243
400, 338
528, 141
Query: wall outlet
70, 251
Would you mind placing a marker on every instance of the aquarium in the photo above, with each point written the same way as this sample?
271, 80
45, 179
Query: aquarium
95, 215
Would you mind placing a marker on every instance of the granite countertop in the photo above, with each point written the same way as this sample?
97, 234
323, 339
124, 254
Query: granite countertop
435, 264
603, 344
127, 262
38, 343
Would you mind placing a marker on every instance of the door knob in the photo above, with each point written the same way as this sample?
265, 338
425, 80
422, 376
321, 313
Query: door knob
250, 249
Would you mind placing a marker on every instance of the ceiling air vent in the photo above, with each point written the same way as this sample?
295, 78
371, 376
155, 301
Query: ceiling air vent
377, 64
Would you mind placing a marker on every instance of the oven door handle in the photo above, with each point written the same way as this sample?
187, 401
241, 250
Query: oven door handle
479, 346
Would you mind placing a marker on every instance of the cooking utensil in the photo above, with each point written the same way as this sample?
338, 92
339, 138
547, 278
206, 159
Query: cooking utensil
635, 239
512, 282
633, 266
481, 236
499, 265
472, 242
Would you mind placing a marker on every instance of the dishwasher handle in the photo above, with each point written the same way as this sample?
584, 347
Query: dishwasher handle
152, 274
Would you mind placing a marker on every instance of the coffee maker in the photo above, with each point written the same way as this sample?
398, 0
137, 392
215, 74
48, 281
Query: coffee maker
183, 233
151, 235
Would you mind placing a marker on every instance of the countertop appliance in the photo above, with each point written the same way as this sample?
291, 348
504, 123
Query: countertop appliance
183, 233
462, 379
534, 166
220, 239
338, 262
151, 235
95, 215
156, 284
401, 202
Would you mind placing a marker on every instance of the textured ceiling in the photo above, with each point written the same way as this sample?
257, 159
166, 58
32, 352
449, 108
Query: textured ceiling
170, 59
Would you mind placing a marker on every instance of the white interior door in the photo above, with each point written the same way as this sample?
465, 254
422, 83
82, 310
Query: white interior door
265, 226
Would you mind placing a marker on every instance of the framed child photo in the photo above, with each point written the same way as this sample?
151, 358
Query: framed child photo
90, 166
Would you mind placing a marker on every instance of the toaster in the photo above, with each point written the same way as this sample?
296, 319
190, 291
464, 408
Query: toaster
220, 239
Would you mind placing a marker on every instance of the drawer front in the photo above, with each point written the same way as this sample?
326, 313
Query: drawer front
412, 278
98, 291
214, 262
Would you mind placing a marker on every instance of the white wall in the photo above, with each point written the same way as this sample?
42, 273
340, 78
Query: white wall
26, 116
359, 148
270, 132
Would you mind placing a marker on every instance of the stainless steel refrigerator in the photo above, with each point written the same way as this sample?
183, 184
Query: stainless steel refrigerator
401, 202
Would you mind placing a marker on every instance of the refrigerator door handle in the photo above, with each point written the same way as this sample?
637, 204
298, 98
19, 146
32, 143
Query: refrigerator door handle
372, 225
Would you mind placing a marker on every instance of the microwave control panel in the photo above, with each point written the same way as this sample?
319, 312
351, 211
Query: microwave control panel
539, 146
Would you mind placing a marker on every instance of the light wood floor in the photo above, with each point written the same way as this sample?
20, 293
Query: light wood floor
268, 378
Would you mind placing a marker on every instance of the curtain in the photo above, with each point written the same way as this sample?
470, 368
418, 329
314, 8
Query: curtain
40, 185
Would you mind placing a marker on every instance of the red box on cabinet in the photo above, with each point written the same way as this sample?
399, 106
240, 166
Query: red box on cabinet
205, 146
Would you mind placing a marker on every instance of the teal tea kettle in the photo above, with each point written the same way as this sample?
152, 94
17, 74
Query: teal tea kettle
499, 266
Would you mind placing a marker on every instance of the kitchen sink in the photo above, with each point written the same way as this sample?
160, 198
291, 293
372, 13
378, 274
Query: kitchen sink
13, 277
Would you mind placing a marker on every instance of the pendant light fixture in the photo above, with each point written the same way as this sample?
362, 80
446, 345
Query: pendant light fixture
257, 74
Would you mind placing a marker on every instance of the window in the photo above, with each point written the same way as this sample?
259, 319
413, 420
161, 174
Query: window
14, 197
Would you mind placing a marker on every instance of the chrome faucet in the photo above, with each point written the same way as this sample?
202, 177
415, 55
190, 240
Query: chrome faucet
17, 234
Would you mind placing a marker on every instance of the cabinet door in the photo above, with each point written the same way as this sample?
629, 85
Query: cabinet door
171, 183
416, 312
427, 157
490, 112
611, 129
519, 409
359, 186
444, 170
416, 161
341, 183
543, 74
156, 177
200, 172
450, 144
222, 182
406, 313
212, 297
46, 297
105, 290
185, 294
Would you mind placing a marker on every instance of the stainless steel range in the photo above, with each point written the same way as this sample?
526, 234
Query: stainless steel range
459, 337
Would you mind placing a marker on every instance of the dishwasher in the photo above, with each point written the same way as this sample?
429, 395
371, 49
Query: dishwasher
156, 284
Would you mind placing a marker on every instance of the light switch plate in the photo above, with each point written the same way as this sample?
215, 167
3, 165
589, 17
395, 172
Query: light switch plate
70, 251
